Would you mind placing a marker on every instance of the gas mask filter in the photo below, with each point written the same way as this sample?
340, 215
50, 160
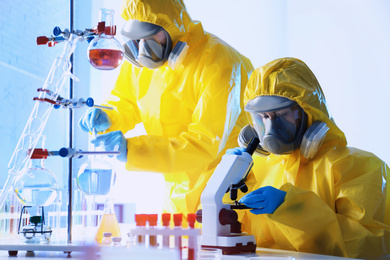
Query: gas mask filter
313, 139
149, 45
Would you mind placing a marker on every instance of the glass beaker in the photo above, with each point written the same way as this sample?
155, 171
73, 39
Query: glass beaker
36, 185
104, 51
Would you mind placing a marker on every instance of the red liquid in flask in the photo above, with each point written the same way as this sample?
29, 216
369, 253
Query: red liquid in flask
105, 59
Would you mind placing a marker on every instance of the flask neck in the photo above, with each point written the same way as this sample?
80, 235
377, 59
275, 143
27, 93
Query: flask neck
36, 163
109, 206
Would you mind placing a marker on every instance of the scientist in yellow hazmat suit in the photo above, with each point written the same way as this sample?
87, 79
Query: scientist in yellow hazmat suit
310, 192
186, 86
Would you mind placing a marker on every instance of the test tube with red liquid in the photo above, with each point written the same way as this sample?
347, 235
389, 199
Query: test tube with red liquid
192, 241
177, 220
152, 219
140, 220
166, 219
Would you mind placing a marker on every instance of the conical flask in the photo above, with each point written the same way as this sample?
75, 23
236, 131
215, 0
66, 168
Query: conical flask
108, 222
36, 185
97, 175
104, 51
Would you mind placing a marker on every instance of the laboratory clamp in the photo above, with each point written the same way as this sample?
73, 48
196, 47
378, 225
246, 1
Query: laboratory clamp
32, 184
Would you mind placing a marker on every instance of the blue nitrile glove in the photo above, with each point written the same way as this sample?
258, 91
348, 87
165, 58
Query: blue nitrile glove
236, 151
113, 141
264, 200
94, 118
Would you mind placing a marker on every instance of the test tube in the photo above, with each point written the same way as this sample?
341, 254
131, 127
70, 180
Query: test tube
6, 219
140, 220
192, 241
12, 210
166, 219
152, 219
177, 219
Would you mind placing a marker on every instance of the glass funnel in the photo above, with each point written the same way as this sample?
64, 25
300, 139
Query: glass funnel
104, 51
36, 185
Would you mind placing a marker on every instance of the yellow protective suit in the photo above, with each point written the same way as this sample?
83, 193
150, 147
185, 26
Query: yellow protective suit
335, 202
191, 114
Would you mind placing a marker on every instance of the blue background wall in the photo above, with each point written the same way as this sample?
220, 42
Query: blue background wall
24, 67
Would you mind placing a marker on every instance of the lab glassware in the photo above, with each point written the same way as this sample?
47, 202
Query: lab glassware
36, 185
108, 222
59, 73
36, 231
106, 241
104, 51
97, 175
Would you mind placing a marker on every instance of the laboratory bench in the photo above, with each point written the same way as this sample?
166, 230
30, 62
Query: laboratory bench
83, 247
90, 252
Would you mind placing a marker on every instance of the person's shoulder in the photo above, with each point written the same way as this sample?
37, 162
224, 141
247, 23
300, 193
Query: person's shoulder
351, 152
219, 44
217, 51
345, 160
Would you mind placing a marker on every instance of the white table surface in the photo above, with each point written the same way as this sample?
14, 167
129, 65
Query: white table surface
42, 252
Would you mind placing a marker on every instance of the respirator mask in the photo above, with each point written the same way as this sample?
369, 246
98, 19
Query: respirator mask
279, 122
281, 126
149, 45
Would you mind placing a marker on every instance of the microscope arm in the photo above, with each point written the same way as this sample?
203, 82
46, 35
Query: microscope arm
216, 227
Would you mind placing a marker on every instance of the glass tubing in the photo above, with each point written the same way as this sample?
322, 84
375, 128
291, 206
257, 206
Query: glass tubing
59, 73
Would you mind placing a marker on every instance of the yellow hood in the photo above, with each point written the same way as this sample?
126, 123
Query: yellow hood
169, 14
292, 78
335, 202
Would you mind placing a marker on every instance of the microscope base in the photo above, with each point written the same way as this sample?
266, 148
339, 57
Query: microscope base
234, 244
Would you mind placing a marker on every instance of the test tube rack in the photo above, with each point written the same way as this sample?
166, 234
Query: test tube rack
147, 233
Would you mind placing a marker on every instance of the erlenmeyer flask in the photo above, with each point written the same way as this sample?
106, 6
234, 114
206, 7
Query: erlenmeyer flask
109, 222
104, 51
36, 185
97, 175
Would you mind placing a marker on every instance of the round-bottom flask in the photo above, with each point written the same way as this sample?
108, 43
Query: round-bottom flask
36, 185
104, 51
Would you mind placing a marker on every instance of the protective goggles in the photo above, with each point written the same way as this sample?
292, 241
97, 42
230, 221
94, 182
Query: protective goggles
285, 123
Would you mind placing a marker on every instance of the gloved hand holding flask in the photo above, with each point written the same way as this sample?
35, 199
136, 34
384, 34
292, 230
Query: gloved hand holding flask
113, 141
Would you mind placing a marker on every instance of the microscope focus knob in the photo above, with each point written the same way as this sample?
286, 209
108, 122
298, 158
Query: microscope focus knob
227, 217
244, 189
199, 216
